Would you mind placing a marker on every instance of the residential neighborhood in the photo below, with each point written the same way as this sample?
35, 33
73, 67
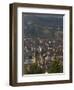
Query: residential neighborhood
43, 44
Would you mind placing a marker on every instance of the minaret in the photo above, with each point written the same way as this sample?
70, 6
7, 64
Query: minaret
33, 58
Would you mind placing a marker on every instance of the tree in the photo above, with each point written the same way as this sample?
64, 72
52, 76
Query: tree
56, 66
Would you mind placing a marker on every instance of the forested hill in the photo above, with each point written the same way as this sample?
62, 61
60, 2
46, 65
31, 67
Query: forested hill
43, 26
